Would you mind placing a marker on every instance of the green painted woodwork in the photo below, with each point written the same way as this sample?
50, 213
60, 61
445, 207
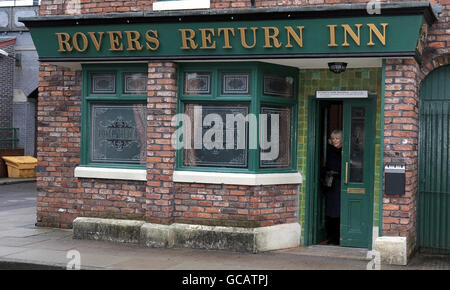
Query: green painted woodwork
117, 98
281, 37
255, 99
369, 79
356, 208
434, 163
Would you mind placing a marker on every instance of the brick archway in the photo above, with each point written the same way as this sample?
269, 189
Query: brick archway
434, 63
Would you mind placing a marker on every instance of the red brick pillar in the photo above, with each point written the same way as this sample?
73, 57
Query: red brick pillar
58, 146
161, 107
401, 132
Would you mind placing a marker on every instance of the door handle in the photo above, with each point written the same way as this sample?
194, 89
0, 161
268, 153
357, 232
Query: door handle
346, 173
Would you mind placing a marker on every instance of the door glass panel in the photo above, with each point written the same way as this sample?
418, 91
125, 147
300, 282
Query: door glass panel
357, 144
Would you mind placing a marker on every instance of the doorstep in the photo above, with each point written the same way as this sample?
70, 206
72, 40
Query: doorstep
330, 251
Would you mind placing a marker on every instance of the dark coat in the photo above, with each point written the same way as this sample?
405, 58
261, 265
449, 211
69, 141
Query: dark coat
333, 194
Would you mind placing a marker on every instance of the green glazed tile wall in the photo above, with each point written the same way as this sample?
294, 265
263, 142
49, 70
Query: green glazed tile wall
323, 80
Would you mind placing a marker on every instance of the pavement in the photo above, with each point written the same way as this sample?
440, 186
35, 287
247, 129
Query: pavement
25, 246
8, 180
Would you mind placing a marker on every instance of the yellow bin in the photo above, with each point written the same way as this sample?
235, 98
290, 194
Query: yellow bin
21, 166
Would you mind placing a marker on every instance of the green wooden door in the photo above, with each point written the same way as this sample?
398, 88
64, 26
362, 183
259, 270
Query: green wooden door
315, 199
434, 163
358, 153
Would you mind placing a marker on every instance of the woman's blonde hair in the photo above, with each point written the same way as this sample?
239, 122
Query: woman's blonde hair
336, 133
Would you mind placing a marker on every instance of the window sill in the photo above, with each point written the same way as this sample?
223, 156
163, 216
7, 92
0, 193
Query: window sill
111, 173
237, 178
181, 5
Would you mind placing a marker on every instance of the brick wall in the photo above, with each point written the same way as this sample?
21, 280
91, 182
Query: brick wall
403, 82
6, 93
210, 204
59, 7
60, 196
161, 105
61, 199
401, 138
232, 205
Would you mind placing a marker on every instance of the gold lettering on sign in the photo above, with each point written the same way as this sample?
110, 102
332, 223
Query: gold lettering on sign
96, 41
271, 37
76, 44
207, 42
152, 39
332, 36
243, 33
297, 37
226, 36
349, 31
114, 41
63, 42
185, 39
133, 40
287, 37
381, 37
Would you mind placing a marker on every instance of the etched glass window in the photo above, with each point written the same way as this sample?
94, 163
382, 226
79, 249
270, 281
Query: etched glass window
135, 83
118, 133
217, 136
235, 83
278, 86
357, 144
275, 137
103, 84
197, 83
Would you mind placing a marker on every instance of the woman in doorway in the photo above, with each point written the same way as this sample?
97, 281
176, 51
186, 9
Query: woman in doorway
333, 193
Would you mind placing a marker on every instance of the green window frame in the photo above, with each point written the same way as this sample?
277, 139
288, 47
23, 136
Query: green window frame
252, 96
120, 103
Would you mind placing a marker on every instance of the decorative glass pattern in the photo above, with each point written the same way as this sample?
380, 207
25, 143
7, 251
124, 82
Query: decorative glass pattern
103, 84
118, 133
278, 86
275, 136
135, 83
233, 84
357, 144
215, 145
197, 83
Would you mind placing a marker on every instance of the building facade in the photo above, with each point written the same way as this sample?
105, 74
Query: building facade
19, 68
135, 101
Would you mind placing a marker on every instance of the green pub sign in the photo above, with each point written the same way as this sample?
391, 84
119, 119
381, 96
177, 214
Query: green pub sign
369, 36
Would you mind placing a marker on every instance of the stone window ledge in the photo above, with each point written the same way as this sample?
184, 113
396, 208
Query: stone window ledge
111, 173
237, 178
181, 5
